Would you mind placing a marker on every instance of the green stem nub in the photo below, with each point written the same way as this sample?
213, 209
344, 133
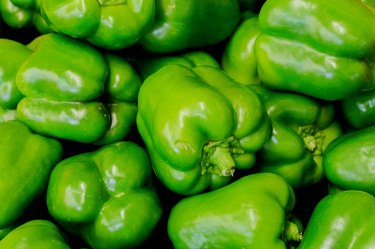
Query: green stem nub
292, 233
313, 138
218, 157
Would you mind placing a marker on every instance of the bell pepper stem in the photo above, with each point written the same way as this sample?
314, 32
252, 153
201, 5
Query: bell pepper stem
218, 156
313, 138
292, 232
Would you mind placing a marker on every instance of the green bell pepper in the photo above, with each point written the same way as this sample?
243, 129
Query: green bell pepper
200, 127
107, 24
181, 24
302, 127
238, 59
106, 196
90, 98
358, 111
42, 234
251, 212
341, 220
62, 89
349, 160
54, 69
13, 54
315, 48
26, 161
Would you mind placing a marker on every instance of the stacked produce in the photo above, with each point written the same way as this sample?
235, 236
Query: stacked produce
187, 124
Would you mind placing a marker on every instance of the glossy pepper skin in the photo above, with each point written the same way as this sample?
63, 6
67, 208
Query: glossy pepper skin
200, 127
302, 128
23, 14
358, 111
150, 63
7, 114
106, 196
107, 24
181, 24
313, 47
13, 54
251, 212
41, 234
13, 15
37, 20
238, 59
62, 89
341, 220
120, 96
349, 160
26, 161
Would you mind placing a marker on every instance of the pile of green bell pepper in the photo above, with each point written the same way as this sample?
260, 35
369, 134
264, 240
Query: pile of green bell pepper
187, 124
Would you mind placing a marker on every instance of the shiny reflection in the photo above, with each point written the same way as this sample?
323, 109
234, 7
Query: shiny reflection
75, 82
75, 197
340, 29
253, 218
301, 4
113, 221
107, 22
112, 175
337, 228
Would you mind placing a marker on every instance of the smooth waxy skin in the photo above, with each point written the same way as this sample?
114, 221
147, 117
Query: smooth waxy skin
13, 15
106, 196
248, 213
13, 54
315, 48
84, 122
359, 110
151, 63
24, 3
302, 128
23, 14
120, 94
41, 234
7, 114
26, 162
341, 220
349, 160
54, 70
239, 59
107, 24
200, 128
62, 90
183, 24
